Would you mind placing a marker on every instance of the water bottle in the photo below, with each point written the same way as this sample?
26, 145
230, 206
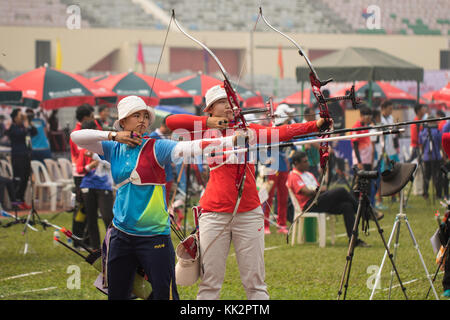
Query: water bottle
55, 237
69, 241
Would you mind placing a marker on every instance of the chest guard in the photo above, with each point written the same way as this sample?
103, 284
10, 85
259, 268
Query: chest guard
147, 171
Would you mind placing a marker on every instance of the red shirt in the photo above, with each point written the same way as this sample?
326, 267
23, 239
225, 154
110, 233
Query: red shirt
82, 161
297, 181
75, 151
365, 147
221, 193
415, 128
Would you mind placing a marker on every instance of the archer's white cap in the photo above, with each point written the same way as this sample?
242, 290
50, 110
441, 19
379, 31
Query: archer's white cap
129, 105
212, 95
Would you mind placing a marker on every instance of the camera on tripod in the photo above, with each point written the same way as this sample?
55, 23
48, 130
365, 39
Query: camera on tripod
430, 125
364, 174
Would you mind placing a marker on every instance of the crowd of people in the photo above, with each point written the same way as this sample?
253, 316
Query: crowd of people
131, 177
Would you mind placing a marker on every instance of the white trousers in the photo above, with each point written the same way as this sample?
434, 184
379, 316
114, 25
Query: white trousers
246, 231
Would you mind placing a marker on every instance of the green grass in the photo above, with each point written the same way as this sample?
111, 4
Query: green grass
300, 272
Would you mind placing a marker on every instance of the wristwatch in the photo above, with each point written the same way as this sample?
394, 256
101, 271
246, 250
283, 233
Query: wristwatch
113, 135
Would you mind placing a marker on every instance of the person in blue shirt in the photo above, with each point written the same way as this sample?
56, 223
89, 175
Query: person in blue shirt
40, 146
430, 142
96, 190
164, 133
140, 232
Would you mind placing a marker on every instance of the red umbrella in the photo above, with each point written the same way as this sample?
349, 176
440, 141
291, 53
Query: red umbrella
296, 98
98, 78
152, 90
8, 93
197, 85
429, 95
102, 94
52, 89
442, 94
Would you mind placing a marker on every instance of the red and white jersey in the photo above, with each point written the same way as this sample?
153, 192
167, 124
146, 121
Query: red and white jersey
221, 192
297, 181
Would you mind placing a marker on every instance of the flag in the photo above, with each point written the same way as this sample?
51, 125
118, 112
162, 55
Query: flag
58, 60
140, 56
280, 71
280, 63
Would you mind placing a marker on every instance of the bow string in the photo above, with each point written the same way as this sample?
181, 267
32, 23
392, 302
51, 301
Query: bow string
239, 119
316, 85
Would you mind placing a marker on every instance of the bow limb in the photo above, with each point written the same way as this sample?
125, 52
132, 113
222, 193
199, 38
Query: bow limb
316, 85
234, 103
231, 93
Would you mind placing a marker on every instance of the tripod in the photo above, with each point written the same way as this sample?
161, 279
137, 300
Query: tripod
363, 184
422, 170
396, 229
32, 216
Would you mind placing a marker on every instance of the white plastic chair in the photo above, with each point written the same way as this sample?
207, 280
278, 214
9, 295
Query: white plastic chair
54, 169
55, 172
66, 168
42, 181
321, 221
6, 168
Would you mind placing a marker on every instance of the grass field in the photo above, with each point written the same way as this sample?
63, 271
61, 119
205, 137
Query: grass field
300, 272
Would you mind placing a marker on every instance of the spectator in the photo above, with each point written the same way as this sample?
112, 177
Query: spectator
163, 132
39, 143
96, 187
363, 148
420, 110
83, 113
363, 152
336, 112
312, 150
378, 151
442, 123
53, 121
280, 170
391, 144
55, 135
337, 201
103, 117
430, 141
20, 133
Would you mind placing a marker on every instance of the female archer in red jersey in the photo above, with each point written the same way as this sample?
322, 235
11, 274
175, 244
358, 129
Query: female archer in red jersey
217, 224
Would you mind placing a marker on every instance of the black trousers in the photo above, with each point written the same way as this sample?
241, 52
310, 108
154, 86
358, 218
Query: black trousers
155, 255
338, 201
95, 200
21, 165
432, 171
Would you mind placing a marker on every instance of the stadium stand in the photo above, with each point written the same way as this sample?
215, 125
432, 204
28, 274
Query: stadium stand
406, 17
237, 15
46, 13
418, 17
115, 14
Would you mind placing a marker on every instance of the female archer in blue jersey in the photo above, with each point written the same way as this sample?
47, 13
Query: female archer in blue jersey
140, 232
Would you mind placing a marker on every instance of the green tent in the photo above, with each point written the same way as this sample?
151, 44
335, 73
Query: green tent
362, 64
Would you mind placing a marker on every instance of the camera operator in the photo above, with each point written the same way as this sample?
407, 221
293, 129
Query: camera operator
430, 141
336, 201
421, 113
20, 133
